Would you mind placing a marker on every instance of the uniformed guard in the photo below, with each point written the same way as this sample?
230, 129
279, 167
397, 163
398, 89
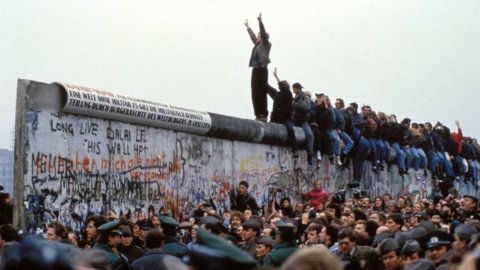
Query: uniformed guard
286, 246
438, 245
172, 245
109, 240
249, 234
412, 258
214, 253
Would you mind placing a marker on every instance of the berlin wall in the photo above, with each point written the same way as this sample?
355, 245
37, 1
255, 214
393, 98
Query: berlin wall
80, 151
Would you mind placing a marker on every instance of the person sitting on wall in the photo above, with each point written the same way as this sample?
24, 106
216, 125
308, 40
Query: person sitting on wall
241, 199
282, 108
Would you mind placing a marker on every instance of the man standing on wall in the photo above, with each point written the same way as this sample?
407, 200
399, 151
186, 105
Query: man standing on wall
241, 199
259, 61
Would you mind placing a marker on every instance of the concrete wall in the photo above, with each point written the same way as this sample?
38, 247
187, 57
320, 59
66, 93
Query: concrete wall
73, 165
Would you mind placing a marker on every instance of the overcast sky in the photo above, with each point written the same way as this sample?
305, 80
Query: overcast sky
414, 58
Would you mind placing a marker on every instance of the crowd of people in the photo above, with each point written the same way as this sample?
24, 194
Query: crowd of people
343, 133
321, 231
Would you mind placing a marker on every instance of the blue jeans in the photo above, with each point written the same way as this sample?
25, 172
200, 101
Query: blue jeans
382, 150
335, 141
348, 143
308, 136
360, 152
408, 157
416, 157
423, 158
400, 155
373, 151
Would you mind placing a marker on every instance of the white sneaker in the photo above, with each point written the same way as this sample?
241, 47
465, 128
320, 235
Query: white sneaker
319, 155
339, 161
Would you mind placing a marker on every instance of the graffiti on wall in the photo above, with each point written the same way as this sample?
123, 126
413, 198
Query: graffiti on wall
77, 165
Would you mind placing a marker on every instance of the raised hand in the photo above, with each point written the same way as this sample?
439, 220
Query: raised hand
259, 16
246, 23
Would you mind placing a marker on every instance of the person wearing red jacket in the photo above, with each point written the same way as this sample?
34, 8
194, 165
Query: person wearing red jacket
316, 196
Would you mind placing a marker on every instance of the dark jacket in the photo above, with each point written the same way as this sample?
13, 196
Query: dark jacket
301, 109
339, 120
262, 50
325, 118
240, 203
348, 122
132, 252
282, 103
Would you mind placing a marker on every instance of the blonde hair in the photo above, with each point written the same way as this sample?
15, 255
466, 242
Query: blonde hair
312, 258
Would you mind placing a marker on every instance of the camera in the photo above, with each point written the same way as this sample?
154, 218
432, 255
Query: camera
339, 196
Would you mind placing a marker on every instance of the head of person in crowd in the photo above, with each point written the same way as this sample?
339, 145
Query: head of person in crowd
406, 122
371, 228
418, 207
312, 258
8, 235
333, 211
110, 234
329, 235
379, 204
127, 237
394, 223
286, 231
298, 208
155, 239
390, 252
74, 238
361, 230
348, 218
358, 214
242, 188
365, 202
313, 234
321, 100
247, 213
211, 224
462, 237
366, 110
412, 257
378, 217
169, 225
251, 229
387, 197
236, 219
382, 117
264, 246
212, 252
146, 226
93, 222
297, 88
339, 104
155, 219
439, 243
347, 240
353, 106
469, 203
56, 231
